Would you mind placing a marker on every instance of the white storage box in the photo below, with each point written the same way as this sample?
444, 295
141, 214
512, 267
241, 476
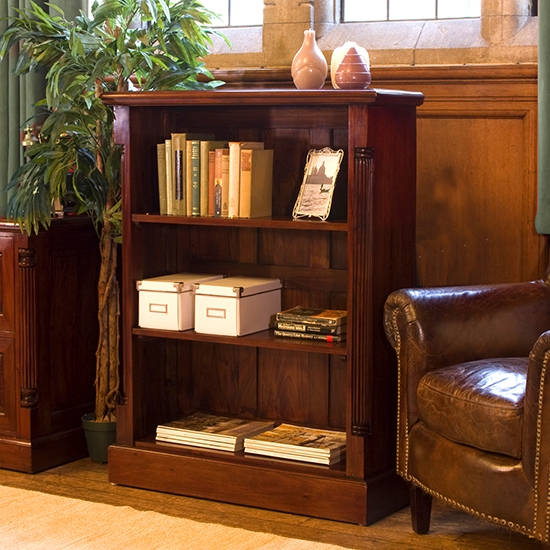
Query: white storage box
167, 302
236, 306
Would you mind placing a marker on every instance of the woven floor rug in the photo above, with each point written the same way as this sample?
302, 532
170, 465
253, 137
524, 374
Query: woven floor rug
36, 521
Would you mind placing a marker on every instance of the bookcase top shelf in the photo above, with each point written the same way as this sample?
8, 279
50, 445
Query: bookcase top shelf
271, 223
265, 96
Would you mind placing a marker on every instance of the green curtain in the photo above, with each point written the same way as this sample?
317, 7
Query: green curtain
18, 95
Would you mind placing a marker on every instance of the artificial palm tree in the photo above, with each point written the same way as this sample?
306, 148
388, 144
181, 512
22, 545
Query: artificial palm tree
150, 44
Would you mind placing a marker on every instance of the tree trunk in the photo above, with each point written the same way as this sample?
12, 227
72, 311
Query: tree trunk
107, 354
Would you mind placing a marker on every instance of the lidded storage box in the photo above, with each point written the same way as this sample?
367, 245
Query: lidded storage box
167, 302
236, 306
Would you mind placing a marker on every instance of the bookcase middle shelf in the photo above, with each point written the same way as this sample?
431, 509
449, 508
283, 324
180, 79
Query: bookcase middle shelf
263, 339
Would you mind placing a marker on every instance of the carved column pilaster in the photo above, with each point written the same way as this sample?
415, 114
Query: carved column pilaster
27, 327
361, 216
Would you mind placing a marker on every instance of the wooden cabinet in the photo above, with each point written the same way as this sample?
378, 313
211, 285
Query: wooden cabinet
48, 335
352, 261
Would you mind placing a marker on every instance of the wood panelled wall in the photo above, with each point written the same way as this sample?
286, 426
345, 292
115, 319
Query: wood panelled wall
476, 171
477, 165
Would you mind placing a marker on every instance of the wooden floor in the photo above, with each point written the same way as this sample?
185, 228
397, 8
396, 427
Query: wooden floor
87, 480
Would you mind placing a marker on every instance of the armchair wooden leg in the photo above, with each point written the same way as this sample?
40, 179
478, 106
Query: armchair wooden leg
421, 509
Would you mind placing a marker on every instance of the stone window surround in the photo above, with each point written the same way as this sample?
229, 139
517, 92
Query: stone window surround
504, 34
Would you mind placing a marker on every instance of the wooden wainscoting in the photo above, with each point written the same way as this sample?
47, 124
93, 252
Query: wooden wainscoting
477, 172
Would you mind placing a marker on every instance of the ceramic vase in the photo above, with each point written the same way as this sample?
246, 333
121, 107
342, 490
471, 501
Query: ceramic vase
309, 66
350, 67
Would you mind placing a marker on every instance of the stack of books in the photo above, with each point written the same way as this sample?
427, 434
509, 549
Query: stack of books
199, 175
210, 431
299, 443
329, 325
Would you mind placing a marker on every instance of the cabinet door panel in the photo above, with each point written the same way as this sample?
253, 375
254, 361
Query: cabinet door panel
8, 387
6, 284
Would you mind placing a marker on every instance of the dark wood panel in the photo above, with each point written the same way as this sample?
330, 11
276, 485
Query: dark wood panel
220, 381
8, 387
7, 273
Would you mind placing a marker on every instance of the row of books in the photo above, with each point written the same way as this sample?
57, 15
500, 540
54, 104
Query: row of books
201, 176
255, 437
329, 325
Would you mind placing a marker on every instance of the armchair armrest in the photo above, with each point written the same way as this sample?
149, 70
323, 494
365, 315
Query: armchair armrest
536, 429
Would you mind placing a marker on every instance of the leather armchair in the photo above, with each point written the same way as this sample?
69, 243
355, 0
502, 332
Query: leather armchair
474, 401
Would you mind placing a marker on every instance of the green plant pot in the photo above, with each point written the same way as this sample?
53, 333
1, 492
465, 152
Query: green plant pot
99, 435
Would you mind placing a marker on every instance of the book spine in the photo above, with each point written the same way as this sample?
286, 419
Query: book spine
317, 321
245, 197
218, 160
211, 182
169, 186
178, 172
303, 327
256, 188
195, 178
309, 335
188, 204
234, 180
161, 173
225, 184
178, 175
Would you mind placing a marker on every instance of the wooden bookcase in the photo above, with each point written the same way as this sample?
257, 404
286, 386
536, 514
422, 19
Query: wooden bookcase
352, 261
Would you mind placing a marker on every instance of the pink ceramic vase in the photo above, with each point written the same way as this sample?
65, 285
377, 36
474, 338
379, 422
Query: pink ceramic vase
309, 66
352, 72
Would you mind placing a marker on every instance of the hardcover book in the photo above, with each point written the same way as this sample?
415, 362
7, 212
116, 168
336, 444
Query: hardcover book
305, 327
221, 182
233, 198
310, 335
309, 315
207, 152
178, 173
211, 431
161, 174
168, 172
211, 182
194, 178
180, 182
256, 183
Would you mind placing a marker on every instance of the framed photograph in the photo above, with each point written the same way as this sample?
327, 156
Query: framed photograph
315, 197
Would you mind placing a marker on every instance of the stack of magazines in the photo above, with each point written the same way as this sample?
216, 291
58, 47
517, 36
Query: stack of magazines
299, 443
211, 431
329, 325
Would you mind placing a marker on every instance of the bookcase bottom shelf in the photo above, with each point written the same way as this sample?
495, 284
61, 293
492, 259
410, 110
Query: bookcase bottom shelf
315, 494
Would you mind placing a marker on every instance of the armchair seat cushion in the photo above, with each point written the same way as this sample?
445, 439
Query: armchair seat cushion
479, 403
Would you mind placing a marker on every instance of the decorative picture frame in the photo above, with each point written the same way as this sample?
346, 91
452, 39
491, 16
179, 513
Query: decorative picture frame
320, 172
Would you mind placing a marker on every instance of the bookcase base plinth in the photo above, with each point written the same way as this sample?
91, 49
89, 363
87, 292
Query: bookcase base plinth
315, 494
